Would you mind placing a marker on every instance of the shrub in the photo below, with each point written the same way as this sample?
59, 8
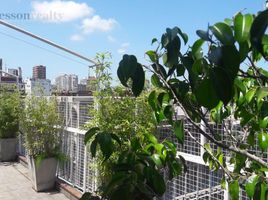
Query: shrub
41, 126
10, 109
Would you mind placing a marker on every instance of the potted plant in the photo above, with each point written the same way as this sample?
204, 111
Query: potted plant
10, 110
41, 127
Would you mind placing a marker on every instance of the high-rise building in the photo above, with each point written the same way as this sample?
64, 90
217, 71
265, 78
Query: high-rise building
39, 72
67, 83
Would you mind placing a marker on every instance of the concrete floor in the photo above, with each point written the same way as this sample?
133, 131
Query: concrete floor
14, 185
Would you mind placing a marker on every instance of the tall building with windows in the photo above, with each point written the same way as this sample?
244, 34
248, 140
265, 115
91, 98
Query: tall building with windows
39, 72
67, 83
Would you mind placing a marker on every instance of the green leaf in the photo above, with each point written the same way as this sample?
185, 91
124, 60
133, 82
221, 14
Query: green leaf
129, 68
223, 33
263, 140
156, 180
251, 139
239, 83
179, 131
228, 21
138, 81
250, 94
250, 185
155, 81
197, 49
206, 94
222, 84
171, 42
263, 123
106, 145
151, 138
223, 183
160, 70
244, 49
157, 160
93, 147
242, 25
165, 40
226, 57
261, 93
153, 41
264, 191
90, 133
206, 157
180, 69
168, 112
152, 100
203, 35
234, 190
173, 51
152, 55
257, 31
184, 36
116, 138
239, 162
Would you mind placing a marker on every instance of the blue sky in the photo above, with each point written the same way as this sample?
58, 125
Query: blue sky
91, 26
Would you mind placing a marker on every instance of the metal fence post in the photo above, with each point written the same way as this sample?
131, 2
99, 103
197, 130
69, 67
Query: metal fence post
85, 169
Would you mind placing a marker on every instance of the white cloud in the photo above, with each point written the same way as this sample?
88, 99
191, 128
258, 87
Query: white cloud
76, 37
57, 11
96, 23
123, 48
111, 39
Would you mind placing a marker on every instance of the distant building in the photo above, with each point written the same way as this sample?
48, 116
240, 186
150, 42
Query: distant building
11, 77
84, 81
39, 72
38, 87
82, 88
13, 72
67, 83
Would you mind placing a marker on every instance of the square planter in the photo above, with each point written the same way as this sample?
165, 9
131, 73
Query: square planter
43, 176
8, 149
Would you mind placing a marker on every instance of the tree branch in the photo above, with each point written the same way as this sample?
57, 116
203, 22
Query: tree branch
206, 135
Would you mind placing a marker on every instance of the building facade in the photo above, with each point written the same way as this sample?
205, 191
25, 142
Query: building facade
38, 87
39, 72
11, 77
67, 83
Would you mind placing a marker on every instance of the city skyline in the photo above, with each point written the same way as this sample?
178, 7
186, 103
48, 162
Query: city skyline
8, 68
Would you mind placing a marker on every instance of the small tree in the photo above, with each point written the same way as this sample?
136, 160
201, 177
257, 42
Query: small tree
10, 110
41, 125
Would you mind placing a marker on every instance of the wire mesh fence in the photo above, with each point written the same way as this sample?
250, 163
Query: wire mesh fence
81, 172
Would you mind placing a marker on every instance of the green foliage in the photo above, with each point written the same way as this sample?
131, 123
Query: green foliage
130, 158
10, 110
223, 81
41, 126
